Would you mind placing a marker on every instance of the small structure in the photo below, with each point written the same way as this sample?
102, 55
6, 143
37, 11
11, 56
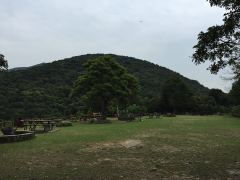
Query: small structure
64, 123
93, 118
7, 127
154, 115
157, 115
126, 117
170, 115
33, 124
10, 133
150, 116
17, 136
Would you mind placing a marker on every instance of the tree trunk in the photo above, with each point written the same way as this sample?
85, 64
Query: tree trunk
103, 110
117, 111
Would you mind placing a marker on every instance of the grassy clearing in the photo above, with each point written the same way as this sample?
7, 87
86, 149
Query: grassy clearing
185, 147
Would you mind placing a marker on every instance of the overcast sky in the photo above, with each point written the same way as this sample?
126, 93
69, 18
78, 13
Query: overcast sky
162, 32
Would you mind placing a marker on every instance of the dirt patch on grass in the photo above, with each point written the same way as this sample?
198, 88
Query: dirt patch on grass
106, 160
167, 148
234, 172
130, 162
131, 143
180, 177
195, 139
140, 160
152, 133
197, 135
144, 136
120, 160
99, 147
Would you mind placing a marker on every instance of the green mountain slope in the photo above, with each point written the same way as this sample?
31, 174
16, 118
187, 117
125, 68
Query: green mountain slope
44, 89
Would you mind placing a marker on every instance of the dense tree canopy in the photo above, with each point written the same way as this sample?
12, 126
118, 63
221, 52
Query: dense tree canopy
105, 81
176, 96
219, 97
235, 93
43, 90
221, 43
3, 63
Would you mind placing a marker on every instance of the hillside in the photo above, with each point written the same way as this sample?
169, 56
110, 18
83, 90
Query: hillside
44, 89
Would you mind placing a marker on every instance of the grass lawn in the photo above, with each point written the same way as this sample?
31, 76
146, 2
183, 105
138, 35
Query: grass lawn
185, 147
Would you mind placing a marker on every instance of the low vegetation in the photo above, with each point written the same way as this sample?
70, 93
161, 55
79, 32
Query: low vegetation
182, 147
236, 111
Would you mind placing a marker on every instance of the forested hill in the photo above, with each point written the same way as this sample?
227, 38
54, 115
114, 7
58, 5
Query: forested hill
45, 88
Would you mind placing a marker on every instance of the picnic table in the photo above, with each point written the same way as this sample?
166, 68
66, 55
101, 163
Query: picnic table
91, 117
84, 117
47, 125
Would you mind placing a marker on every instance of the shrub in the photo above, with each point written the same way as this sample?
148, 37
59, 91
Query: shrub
135, 109
236, 111
170, 115
126, 117
64, 124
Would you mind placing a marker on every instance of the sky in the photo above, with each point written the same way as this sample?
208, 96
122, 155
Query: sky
162, 32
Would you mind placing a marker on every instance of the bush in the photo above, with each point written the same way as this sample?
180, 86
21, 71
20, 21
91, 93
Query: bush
126, 117
135, 109
170, 115
64, 124
236, 111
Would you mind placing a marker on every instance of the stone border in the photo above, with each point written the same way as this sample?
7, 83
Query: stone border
19, 136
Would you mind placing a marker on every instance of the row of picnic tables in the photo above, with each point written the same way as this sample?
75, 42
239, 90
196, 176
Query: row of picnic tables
47, 125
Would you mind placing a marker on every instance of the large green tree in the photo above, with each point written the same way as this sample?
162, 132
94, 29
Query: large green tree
105, 81
235, 93
219, 96
221, 43
3, 63
176, 96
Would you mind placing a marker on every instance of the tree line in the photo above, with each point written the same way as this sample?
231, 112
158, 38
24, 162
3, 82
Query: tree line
103, 85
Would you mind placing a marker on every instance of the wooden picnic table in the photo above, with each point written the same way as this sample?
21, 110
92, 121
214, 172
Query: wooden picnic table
87, 117
47, 125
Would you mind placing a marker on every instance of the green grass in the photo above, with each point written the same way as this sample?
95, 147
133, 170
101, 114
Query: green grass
185, 147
